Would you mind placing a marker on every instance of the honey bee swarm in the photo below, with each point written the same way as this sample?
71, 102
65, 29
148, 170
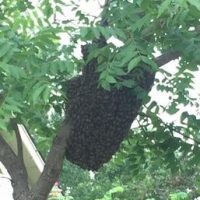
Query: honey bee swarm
100, 119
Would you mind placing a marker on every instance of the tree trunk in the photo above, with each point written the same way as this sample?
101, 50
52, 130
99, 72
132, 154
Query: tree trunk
24, 195
50, 174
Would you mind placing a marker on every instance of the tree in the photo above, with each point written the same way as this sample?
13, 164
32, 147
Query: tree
36, 67
120, 178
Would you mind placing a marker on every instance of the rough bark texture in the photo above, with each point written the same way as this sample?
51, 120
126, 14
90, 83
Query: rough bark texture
53, 164
15, 169
49, 175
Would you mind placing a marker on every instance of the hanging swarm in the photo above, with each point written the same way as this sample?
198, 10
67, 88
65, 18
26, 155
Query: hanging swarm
100, 119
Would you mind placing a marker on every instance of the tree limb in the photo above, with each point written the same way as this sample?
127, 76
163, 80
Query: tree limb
167, 57
15, 169
53, 164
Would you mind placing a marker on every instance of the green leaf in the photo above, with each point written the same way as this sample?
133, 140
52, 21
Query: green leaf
59, 9
3, 126
12, 105
53, 68
142, 22
118, 71
164, 7
150, 62
46, 94
12, 70
100, 59
128, 83
48, 10
172, 109
103, 75
128, 54
93, 54
195, 3
62, 66
83, 32
70, 67
12, 108
38, 89
120, 33
96, 32
110, 79
4, 49
116, 190
105, 32
179, 196
106, 85
133, 63
9, 55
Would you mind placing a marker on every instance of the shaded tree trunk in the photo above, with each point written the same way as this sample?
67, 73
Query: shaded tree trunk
50, 174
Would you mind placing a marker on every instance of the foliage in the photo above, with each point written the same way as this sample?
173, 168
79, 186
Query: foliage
34, 64
152, 180
179, 195
37, 58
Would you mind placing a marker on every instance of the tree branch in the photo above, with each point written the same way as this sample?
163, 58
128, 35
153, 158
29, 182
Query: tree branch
53, 164
15, 169
167, 57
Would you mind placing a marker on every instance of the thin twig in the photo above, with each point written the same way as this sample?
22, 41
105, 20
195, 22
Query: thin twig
172, 128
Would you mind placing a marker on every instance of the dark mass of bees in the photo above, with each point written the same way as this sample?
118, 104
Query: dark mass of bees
100, 119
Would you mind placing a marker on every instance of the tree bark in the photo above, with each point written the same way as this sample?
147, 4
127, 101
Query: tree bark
167, 57
15, 169
49, 175
53, 164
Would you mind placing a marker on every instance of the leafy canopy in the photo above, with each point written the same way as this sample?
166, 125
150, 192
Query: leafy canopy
37, 45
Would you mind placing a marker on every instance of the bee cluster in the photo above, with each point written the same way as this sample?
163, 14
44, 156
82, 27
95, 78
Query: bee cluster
100, 119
